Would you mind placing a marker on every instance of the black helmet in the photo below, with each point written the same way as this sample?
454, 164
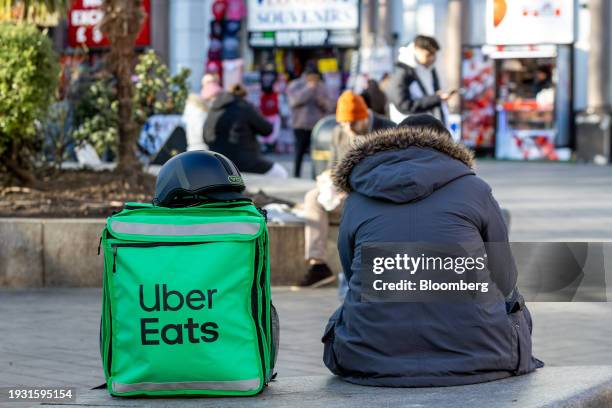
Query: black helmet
197, 176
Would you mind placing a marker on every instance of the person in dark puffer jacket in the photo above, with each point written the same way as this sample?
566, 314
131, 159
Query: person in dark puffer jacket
412, 183
231, 129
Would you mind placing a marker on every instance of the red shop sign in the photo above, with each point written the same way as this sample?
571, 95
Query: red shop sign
84, 20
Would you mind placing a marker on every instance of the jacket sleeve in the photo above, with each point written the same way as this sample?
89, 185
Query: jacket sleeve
346, 242
258, 123
499, 255
299, 94
398, 93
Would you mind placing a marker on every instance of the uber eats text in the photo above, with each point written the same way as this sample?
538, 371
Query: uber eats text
160, 299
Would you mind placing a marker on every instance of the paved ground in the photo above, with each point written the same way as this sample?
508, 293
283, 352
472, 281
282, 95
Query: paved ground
556, 387
548, 201
553, 202
50, 337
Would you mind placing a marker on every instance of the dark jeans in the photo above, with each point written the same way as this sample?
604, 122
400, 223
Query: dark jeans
302, 146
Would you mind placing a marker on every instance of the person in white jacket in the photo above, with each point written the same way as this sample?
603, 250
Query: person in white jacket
196, 111
414, 86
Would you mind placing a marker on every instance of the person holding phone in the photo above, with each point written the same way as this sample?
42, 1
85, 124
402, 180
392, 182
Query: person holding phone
414, 86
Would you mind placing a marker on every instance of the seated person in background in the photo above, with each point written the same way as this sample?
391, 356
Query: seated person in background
414, 184
354, 119
231, 129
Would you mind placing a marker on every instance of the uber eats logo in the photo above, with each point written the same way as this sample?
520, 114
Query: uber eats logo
160, 299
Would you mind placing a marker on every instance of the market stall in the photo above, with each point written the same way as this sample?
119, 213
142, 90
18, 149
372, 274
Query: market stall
284, 38
518, 87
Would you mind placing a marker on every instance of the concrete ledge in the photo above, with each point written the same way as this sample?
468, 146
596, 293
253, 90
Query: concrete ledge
21, 263
287, 265
573, 387
42, 252
286, 254
71, 252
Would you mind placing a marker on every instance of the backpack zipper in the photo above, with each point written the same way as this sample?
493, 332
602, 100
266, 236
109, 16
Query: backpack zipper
254, 310
114, 259
109, 355
147, 245
267, 323
100, 242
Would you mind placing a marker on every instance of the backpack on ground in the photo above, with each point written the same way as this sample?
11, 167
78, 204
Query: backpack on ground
186, 307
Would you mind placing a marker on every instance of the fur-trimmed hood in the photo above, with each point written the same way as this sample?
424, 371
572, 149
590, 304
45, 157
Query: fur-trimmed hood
402, 164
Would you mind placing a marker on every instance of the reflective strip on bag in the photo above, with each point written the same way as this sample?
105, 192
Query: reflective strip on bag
240, 385
220, 228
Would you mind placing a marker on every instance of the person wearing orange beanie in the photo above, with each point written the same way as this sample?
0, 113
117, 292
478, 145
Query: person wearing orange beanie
324, 203
351, 107
354, 119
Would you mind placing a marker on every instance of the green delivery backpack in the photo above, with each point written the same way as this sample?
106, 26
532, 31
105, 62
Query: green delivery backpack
186, 306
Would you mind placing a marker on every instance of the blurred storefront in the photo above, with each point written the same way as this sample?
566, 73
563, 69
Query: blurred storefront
517, 86
290, 34
84, 18
532, 71
283, 38
525, 67
81, 42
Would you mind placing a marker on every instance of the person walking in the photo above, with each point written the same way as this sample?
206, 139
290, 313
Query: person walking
414, 184
414, 86
231, 129
324, 203
309, 101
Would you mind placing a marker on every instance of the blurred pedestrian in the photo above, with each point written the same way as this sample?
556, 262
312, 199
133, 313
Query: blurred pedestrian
269, 106
375, 98
196, 110
324, 202
231, 129
413, 183
309, 101
414, 86
211, 87
542, 80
